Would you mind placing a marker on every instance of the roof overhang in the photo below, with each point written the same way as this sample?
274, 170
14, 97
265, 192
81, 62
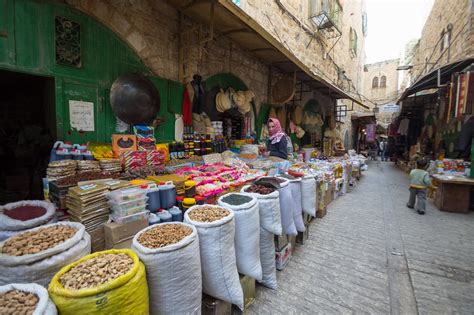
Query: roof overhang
232, 22
430, 80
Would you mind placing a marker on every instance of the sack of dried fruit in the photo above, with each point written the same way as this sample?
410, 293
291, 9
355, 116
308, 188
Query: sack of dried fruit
23, 215
269, 207
267, 258
296, 205
247, 232
308, 187
170, 252
25, 298
216, 230
107, 282
35, 255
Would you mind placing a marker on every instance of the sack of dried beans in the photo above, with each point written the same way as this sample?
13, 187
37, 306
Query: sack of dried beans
23, 215
25, 298
296, 206
308, 188
107, 282
35, 255
164, 249
216, 230
286, 208
247, 232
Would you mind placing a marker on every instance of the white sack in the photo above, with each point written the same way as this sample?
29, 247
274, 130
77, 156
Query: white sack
247, 236
4, 234
308, 187
220, 278
41, 267
173, 274
44, 307
269, 210
267, 257
295, 185
286, 208
10, 224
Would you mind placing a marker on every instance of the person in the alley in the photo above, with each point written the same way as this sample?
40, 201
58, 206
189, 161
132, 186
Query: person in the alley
419, 182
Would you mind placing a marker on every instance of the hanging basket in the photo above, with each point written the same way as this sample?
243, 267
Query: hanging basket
283, 91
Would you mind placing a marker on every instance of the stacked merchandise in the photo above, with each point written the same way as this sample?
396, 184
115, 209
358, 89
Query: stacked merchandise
128, 205
60, 169
145, 137
87, 166
88, 205
133, 159
110, 166
235, 128
115, 184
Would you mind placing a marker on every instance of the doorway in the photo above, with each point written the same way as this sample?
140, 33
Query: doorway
27, 133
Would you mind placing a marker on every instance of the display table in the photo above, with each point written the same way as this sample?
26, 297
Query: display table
453, 193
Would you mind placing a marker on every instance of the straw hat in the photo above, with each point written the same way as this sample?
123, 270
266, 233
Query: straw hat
298, 114
243, 99
222, 101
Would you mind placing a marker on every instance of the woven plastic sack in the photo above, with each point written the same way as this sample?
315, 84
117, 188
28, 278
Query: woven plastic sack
295, 186
41, 267
286, 209
269, 210
127, 294
308, 187
220, 278
44, 307
247, 235
267, 258
4, 234
173, 274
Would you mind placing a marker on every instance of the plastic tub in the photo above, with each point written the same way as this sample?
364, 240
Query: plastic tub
307, 153
130, 218
124, 195
129, 211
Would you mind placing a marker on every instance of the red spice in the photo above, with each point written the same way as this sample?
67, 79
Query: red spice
25, 213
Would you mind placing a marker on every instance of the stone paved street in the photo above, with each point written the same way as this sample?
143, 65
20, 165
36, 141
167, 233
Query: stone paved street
371, 254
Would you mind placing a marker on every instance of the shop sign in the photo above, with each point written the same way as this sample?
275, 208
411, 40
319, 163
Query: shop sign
390, 108
370, 129
81, 115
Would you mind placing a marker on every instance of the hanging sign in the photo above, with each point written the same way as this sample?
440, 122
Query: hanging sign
370, 132
81, 115
390, 108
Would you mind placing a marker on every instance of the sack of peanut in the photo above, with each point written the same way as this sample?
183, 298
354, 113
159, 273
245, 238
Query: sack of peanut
107, 282
35, 255
25, 298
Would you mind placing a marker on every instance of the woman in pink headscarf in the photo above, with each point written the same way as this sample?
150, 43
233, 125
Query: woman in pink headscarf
277, 144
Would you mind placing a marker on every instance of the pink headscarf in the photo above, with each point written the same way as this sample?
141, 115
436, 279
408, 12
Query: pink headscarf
277, 133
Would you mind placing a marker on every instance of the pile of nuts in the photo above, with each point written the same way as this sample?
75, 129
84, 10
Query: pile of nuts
18, 302
164, 235
260, 189
96, 271
208, 214
37, 241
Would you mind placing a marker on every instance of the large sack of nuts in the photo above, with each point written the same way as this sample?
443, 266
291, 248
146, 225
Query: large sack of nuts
247, 232
37, 254
267, 257
296, 204
269, 208
308, 187
25, 298
170, 252
216, 229
286, 208
23, 215
107, 282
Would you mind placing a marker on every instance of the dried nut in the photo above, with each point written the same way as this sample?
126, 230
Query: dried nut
208, 214
39, 240
18, 302
164, 235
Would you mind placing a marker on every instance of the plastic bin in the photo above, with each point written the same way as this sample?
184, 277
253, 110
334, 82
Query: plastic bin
130, 218
121, 196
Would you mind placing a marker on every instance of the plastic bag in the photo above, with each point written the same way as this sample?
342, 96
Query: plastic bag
308, 187
44, 307
286, 209
9, 224
247, 236
173, 274
269, 210
41, 267
267, 258
127, 294
220, 278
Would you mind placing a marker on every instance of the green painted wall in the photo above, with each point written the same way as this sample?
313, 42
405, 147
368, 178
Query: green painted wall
27, 44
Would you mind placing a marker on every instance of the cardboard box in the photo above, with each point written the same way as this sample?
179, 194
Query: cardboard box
282, 257
302, 237
321, 213
97, 239
281, 241
329, 194
248, 287
122, 234
213, 306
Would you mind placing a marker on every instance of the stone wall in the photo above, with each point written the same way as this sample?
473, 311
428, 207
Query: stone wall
381, 95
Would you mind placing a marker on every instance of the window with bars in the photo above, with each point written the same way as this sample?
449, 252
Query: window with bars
353, 42
67, 42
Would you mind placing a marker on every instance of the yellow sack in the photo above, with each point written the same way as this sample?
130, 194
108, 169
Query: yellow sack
127, 294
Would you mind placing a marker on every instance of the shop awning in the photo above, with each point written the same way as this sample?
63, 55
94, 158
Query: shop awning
368, 115
430, 80
232, 22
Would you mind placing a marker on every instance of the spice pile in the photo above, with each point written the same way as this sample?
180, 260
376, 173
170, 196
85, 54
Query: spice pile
25, 213
18, 302
39, 240
208, 214
260, 189
236, 199
164, 235
96, 271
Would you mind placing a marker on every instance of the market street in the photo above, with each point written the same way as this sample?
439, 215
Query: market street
356, 257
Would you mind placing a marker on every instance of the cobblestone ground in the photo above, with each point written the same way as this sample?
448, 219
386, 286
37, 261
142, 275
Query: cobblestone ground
371, 254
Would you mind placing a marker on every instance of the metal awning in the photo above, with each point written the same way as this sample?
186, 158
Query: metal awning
430, 80
232, 22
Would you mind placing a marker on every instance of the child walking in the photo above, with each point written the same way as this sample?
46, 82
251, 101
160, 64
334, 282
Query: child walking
419, 182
